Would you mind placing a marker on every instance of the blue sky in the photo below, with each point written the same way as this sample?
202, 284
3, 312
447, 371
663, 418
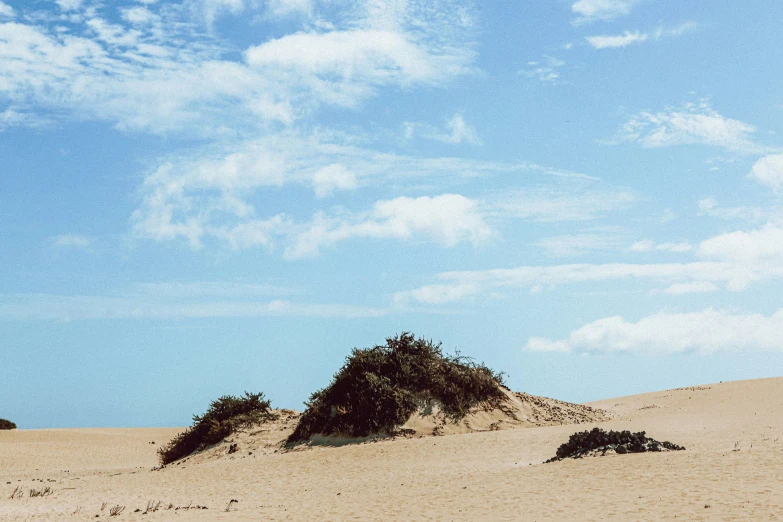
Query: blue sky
211, 196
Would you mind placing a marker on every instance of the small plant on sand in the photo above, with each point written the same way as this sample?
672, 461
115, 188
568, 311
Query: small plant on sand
597, 440
379, 388
223, 417
7, 425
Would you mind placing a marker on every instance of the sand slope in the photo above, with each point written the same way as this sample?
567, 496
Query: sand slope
733, 465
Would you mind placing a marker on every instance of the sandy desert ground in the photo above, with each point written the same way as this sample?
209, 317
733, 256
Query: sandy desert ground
732, 469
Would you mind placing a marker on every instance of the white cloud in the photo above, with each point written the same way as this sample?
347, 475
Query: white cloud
282, 8
594, 10
69, 5
694, 123
333, 177
755, 246
647, 245
49, 307
6, 10
150, 71
577, 244
546, 72
696, 287
71, 241
706, 332
629, 38
437, 294
570, 201
447, 219
709, 207
769, 171
457, 131
614, 42
207, 194
734, 260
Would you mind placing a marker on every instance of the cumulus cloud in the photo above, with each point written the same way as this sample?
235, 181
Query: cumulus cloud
769, 171
705, 332
694, 123
594, 10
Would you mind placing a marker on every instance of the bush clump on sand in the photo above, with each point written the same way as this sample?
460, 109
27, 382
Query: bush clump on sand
379, 388
7, 425
597, 440
223, 417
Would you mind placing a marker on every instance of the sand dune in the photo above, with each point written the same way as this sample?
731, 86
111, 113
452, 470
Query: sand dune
732, 469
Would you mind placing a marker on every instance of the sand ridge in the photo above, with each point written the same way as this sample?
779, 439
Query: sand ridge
732, 470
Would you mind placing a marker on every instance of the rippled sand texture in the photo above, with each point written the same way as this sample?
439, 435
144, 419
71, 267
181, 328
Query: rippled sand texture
732, 469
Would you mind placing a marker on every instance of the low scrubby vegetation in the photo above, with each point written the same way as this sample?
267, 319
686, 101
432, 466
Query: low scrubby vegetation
223, 417
379, 388
597, 440
7, 425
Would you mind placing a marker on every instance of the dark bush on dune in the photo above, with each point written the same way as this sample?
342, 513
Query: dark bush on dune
379, 388
586, 442
224, 416
7, 425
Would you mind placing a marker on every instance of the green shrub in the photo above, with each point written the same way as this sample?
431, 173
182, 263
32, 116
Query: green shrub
7, 425
379, 388
585, 442
224, 416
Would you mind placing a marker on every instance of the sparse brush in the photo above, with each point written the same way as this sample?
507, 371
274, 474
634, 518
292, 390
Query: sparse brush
223, 417
17, 493
379, 388
45, 492
7, 425
585, 442
116, 510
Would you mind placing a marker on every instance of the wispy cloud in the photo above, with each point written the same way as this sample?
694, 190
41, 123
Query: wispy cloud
211, 195
616, 41
633, 37
693, 123
588, 11
578, 244
734, 260
456, 131
546, 71
173, 300
6, 11
71, 241
705, 332
647, 245
153, 71
710, 207
447, 219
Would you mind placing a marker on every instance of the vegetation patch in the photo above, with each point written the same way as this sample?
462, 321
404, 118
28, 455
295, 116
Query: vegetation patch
598, 441
379, 388
7, 425
223, 417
